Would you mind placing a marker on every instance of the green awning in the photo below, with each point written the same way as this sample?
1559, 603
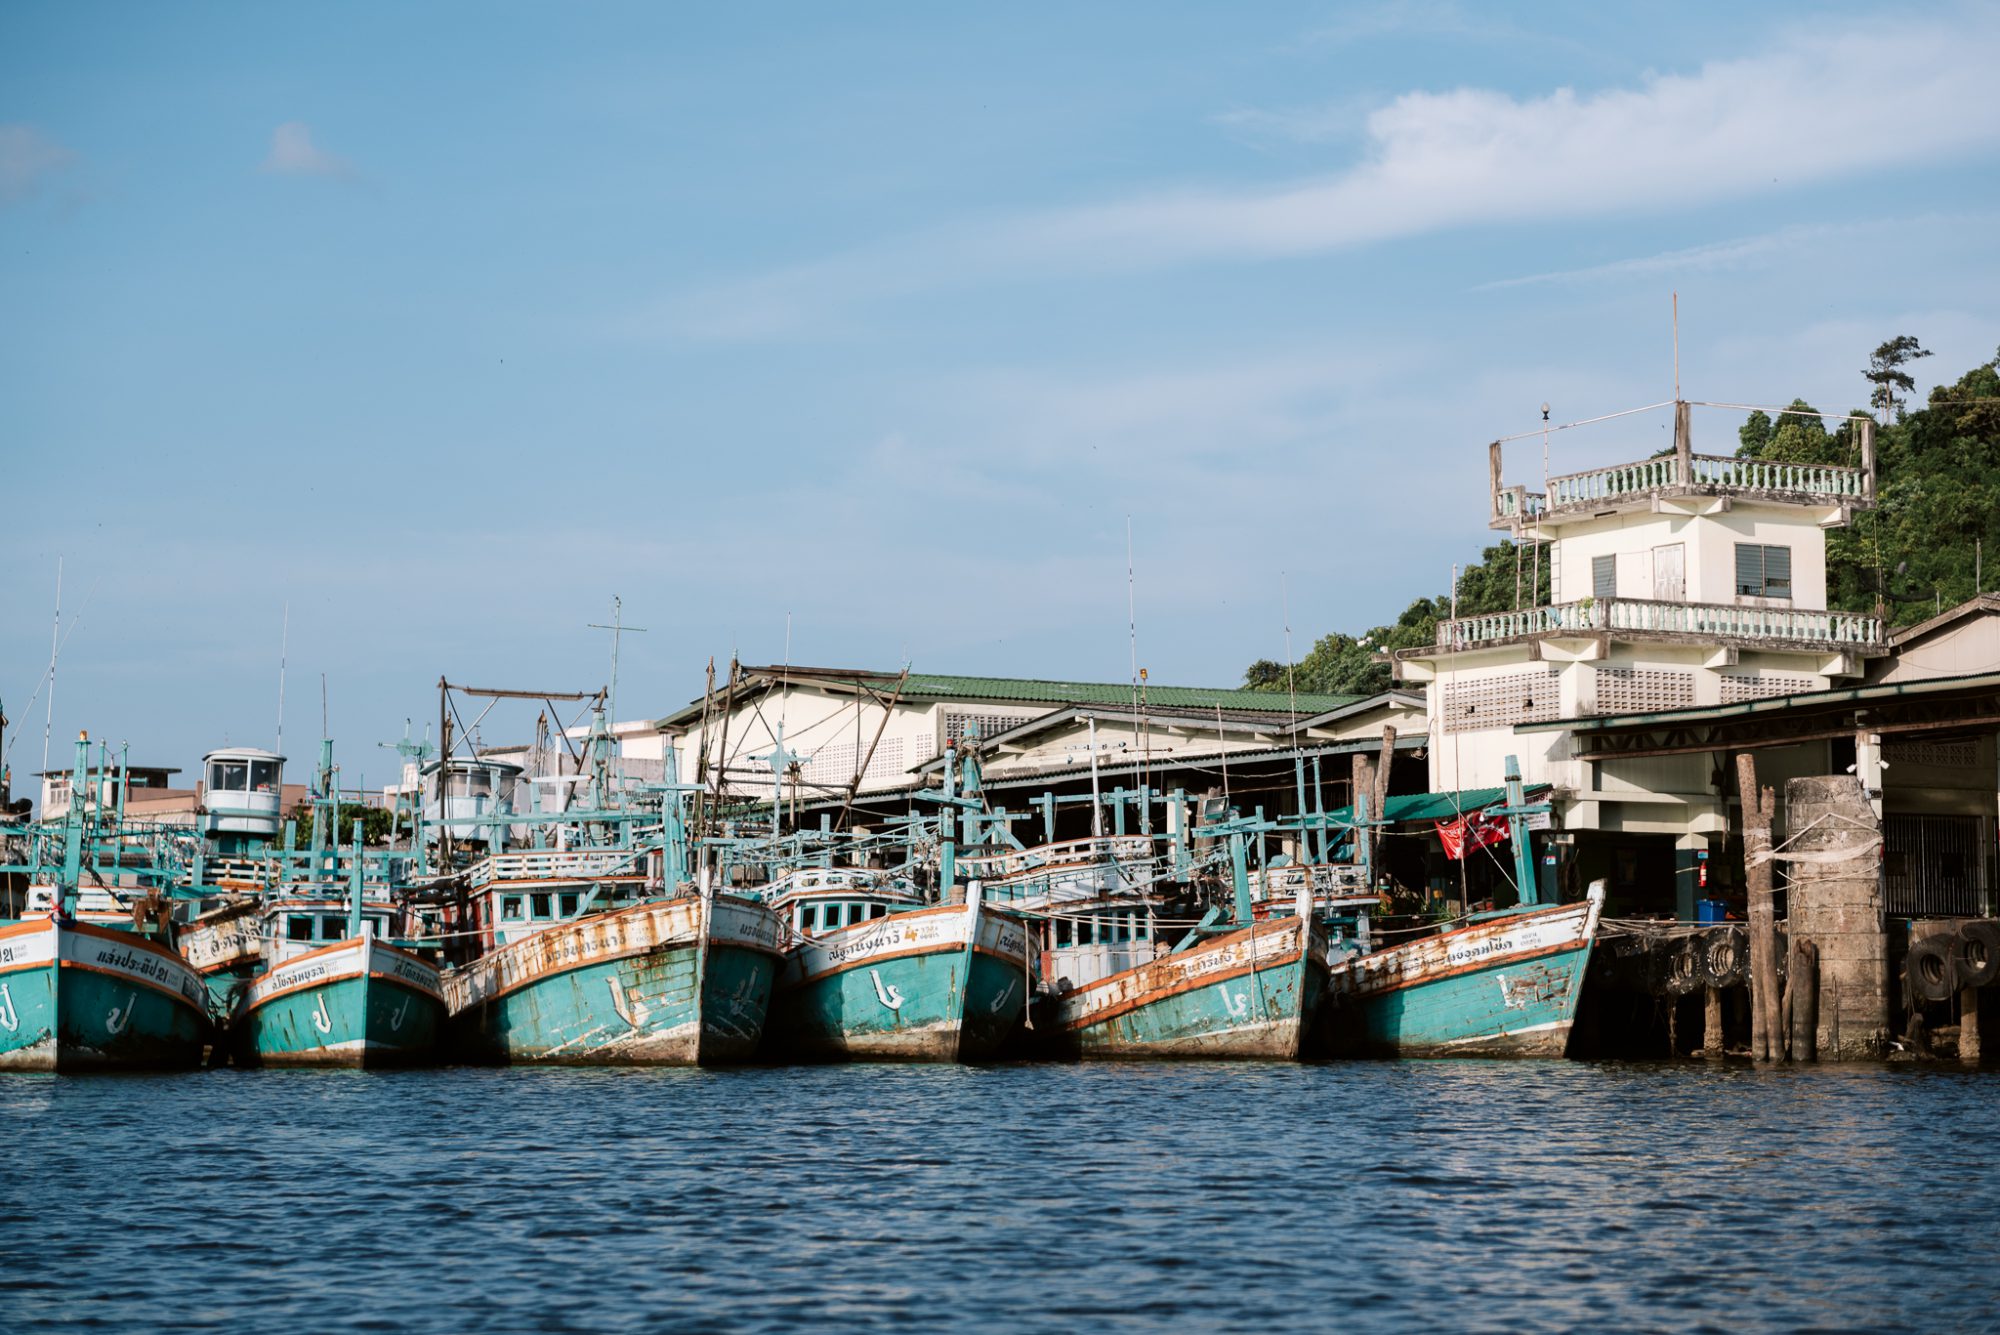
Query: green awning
1443, 806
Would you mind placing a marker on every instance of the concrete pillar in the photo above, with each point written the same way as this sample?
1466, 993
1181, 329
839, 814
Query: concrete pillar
1838, 905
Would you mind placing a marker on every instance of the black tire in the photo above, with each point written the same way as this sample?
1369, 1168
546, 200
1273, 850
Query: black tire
1725, 958
1683, 967
1932, 974
1975, 952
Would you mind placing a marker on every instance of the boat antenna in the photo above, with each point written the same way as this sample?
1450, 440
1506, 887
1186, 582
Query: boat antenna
55, 652
1138, 697
1291, 682
284, 645
618, 629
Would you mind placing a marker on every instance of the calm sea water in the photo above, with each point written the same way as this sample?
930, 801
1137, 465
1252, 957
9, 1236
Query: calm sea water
1364, 1196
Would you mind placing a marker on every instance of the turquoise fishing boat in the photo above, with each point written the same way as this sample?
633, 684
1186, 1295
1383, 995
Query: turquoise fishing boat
86, 995
665, 981
357, 1000
1245, 983
1506, 984
1251, 992
879, 974
75, 996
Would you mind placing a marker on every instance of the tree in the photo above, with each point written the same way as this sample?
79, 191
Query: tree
1755, 435
1338, 664
1885, 372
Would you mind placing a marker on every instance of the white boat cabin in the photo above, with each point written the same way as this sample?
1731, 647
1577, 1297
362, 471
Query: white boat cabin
817, 900
1083, 943
298, 926
243, 792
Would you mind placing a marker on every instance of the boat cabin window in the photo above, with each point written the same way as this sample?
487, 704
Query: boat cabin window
1086, 931
263, 776
332, 928
469, 783
228, 776
831, 915
510, 908
1062, 932
569, 903
538, 906
298, 927
878, 911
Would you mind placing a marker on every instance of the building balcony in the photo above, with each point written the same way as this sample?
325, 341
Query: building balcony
1635, 485
1781, 628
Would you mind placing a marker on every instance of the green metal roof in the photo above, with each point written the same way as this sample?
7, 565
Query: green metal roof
931, 686
1443, 806
1027, 691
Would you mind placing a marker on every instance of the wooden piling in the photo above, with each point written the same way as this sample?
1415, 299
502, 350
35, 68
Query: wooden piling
1711, 1021
1802, 990
1760, 805
1968, 1026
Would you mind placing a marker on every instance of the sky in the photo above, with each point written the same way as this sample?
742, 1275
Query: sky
394, 342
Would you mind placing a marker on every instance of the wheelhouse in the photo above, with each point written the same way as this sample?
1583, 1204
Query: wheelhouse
243, 792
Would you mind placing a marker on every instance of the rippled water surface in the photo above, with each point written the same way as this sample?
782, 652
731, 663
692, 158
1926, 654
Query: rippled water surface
1365, 1196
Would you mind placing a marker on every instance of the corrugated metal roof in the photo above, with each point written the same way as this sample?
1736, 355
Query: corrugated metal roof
931, 686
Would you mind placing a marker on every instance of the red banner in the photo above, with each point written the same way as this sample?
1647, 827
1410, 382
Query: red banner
1475, 830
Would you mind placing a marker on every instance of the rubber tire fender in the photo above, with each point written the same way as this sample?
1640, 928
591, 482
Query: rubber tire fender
1725, 958
1684, 969
1975, 952
1931, 969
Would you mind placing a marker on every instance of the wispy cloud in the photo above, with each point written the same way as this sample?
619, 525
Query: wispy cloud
293, 153
1817, 106
27, 159
1709, 258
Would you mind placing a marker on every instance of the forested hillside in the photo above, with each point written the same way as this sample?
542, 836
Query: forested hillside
1926, 545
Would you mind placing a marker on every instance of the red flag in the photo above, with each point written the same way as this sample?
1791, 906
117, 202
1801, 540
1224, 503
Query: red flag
1475, 830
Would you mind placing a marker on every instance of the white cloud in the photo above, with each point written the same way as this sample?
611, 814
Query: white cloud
1816, 107
27, 157
1819, 107
293, 153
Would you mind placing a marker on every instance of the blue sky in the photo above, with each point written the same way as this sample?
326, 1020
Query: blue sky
443, 324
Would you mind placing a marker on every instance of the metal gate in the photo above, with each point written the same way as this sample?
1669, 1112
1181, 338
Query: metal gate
1935, 867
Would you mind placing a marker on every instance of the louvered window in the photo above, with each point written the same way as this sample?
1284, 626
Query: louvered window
1763, 571
1603, 577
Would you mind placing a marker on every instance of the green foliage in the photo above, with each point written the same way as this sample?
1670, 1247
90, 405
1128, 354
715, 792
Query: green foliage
375, 823
1936, 525
1504, 578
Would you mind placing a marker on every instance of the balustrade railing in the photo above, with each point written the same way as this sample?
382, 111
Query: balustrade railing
1711, 471
1811, 629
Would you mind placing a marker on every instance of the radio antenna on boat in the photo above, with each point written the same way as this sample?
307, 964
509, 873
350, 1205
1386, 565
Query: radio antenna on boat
1291, 682
618, 628
55, 652
1138, 698
284, 644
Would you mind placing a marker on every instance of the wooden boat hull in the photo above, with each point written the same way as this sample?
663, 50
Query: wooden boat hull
1250, 994
1506, 987
76, 997
940, 984
670, 982
358, 1002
